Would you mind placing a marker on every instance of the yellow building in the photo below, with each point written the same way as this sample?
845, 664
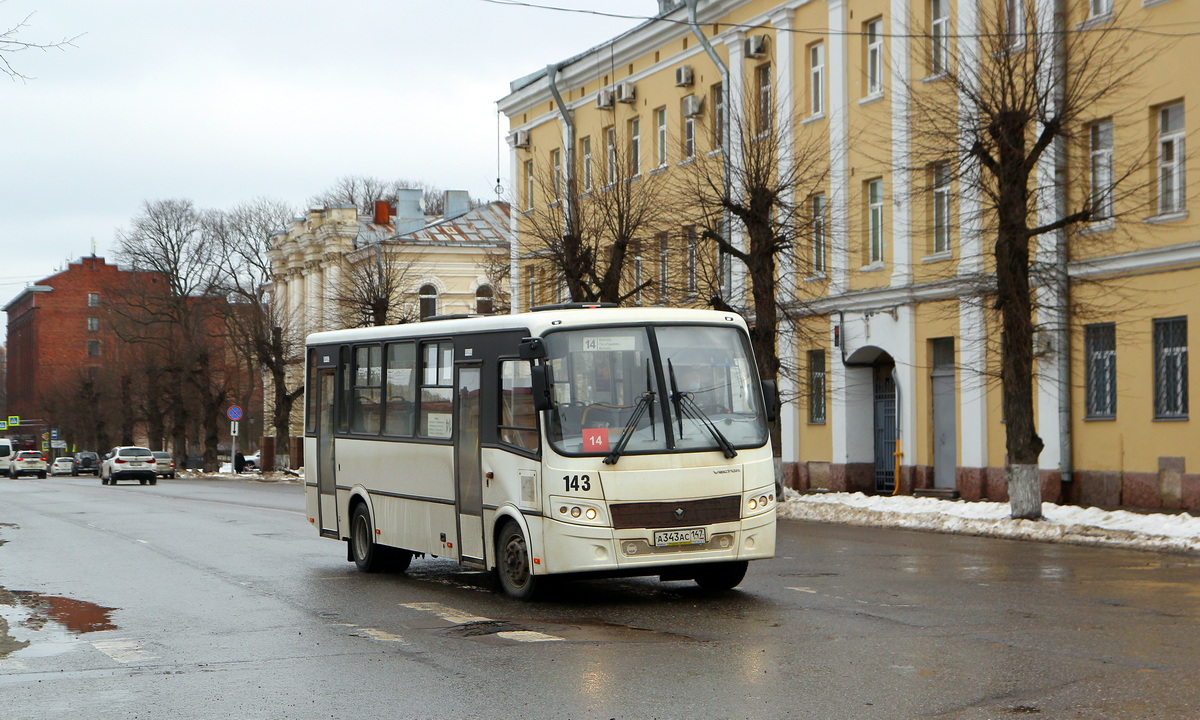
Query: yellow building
894, 341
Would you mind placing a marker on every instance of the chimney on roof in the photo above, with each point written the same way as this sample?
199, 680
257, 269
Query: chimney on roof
455, 203
383, 212
666, 6
409, 215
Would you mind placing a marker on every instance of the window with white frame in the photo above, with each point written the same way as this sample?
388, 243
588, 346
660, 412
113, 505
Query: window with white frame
428, 296
875, 220
718, 127
664, 267
939, 36
1014, 21
692, 259
1171, 182
941, 208
93, 300
93, 324
1170, 368
637, 272
816, 78
635, 147
1100, 351
556, 163
689, 137
528, 184
766, 105
610, 150
817, 206
660, 136
1100, 161
585, 152
874, 33
1099, 8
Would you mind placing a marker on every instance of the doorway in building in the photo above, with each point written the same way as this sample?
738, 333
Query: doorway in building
945, 421
885, 427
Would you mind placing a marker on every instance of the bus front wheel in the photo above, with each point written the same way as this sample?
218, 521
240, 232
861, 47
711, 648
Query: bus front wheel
513, 564
367, 555
721, 576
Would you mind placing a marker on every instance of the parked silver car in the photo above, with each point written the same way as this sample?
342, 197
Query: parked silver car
163, 464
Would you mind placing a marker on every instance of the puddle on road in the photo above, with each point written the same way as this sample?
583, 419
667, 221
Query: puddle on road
37, 625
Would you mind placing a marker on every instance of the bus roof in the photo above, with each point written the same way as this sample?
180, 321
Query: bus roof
536, 323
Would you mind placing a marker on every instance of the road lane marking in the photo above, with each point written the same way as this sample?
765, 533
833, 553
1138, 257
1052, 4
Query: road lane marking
803, 589
529, 636
447, 613
123, 651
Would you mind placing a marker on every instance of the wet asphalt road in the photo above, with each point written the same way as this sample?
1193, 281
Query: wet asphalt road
215, 599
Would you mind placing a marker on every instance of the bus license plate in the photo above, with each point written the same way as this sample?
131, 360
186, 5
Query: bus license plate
687, 536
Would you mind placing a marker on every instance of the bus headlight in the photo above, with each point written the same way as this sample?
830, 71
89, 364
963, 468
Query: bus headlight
579, 512
759, 502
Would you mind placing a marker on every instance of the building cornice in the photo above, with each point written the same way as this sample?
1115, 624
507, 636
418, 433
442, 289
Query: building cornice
1139, 261
25, 293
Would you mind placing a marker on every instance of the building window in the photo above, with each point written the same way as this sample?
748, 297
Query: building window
93, 299
532, 290
1100, 160
689, 137
1099, 8
692, 259
556, 164
429, 301
818, 233
766, 106
718, 128
664, 268
816, 78
874, 33
1170, 368
635, 147
660, 136
610, 140
816, 386
637, 272
939, 36
875, 220
1100, 351
941, 208
93, 324
528, 184
1171, 186
942, 351
1014, 21
484, 300
93, 347
585, 151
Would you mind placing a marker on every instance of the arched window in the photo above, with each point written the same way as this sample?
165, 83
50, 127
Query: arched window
428, 301
484, 300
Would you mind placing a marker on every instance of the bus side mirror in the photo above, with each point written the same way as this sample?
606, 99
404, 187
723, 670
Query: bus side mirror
542, 381
771, 397
532, 348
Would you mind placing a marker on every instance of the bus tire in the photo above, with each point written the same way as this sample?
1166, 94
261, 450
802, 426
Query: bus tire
398, 559
513, 564
368, 556
721, 576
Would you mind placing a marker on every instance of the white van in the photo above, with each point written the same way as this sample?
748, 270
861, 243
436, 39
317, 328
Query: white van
8, 449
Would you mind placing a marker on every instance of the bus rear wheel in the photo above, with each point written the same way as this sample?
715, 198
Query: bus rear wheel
513, 564
721, 576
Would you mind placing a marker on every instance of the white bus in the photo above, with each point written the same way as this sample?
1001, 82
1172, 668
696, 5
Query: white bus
572, 439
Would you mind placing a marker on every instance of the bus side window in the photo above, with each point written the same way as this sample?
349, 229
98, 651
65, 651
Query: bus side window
368, 377
437, 390
400, 389
518, 419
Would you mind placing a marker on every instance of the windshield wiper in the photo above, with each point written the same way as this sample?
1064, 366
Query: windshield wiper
639, 409
685, 405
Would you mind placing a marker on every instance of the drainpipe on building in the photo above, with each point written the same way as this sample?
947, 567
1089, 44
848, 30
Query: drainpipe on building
722, 68
568, 145
1062, 257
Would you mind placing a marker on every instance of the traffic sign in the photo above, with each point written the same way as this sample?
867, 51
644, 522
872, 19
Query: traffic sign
14, 420
233, 428
53, 433
234, 412
3, 425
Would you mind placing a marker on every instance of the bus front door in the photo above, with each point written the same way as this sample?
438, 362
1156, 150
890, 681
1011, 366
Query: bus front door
326, 481
467, 467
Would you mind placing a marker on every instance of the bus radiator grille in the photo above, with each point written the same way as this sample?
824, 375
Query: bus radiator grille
685, 513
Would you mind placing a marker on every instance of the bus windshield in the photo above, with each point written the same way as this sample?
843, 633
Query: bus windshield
657, 388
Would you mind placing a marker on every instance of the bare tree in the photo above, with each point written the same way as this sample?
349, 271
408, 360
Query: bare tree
585, 235
262, 330
375, 287
1011, 98
11, 43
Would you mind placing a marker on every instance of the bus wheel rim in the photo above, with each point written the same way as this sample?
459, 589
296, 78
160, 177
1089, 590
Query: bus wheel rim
516, 560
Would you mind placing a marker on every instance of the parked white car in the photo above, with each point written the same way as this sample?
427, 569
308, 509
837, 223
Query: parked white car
28, 462
129, 462
62, 466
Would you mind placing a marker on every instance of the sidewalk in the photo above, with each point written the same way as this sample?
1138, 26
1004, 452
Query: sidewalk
1061, 523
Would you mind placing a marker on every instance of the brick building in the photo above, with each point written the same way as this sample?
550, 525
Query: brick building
57, 333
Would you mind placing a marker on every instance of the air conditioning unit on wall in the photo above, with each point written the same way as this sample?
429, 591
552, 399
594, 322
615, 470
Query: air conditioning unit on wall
626, 92
604, 99
684, 76
756, 46
693, 106
521, 139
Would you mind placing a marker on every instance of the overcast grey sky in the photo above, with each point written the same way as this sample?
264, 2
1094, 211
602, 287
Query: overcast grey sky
221, 101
